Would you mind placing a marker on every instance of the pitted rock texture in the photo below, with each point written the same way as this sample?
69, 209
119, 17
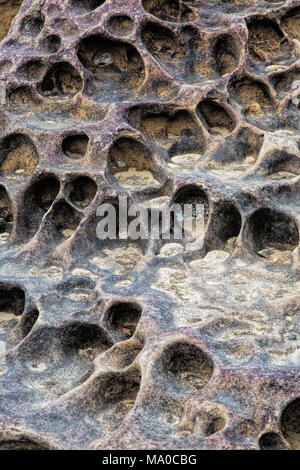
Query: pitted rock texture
142, 344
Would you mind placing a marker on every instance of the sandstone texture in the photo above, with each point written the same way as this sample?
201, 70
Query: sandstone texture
122, 344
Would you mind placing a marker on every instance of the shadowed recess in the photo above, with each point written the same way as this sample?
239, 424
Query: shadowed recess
51, 43
185, 367
124, 317
28, 321
63, 219
83, 191
270, 228
61, 81
167, 10
75, 146
38, 199
32, 25
109, 397
253, 95
183, 54
215, 117
226, 53
31, 70
44, 191
226, 223
192, 194
18, 154
121, 25
130, 162
271, 441
23, 98
89, 338
117, 66
265, 38
290, 423
283, 81
6, 212
12, 299
291, 22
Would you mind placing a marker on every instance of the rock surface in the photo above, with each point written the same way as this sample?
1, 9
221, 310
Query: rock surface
145, 345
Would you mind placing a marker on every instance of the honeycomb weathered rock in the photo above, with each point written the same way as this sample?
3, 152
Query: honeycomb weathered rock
135, 344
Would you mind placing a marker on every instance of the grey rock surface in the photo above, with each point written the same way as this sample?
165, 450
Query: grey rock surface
119, 344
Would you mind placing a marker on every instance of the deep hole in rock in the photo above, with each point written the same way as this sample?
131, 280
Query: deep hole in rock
65, 219
23, 97
61, 80
18, 154
32, 69
163, 126
216, 424
181, 54
265, 38
252, 94
186, 366
195, 197
12, 299
167, 10
116, 65
291, 22
226, 53
6, 212
215, 117
130, 162
38, 199
81, 7
176, 131
52, 43
124, 317
271, 441
89, 339
191, 47
188, 138
280, 162
8, 10
32, 25
191, 194
290, 423
75, 146
270, 228
160, 41
283, 81
226, 223
44, 192
121, 25
83, 191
